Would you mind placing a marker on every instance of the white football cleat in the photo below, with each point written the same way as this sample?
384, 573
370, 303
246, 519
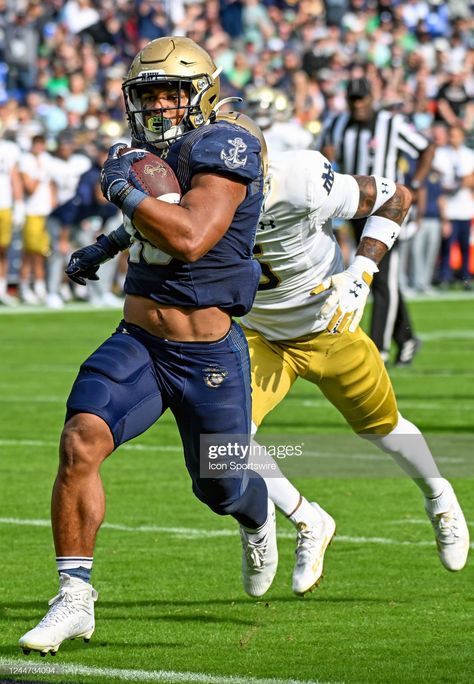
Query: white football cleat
260, 557
450, 528
71, 616
311, 545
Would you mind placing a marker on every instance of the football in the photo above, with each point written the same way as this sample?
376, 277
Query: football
155, 177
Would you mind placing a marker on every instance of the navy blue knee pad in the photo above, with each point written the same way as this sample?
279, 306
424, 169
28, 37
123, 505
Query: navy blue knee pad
118, 384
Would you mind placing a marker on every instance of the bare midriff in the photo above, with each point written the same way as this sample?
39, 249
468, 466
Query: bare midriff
182, 324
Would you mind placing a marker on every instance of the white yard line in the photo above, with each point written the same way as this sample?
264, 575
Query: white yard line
51, 443
27, 666
197, 533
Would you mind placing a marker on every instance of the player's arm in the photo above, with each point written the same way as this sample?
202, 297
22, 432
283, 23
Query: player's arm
189, 230
186, 231
386, 204
422, 169
381, 233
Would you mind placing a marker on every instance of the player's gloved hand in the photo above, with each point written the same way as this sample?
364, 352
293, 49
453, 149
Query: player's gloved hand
84, 263
350, 290
114, 181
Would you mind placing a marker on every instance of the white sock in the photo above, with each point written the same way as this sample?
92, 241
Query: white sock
256, 535
3, 287
284, 495
304, 513
280, 490
441, 503
39, 289
409, 449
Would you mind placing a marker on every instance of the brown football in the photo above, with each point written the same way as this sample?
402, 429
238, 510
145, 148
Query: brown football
155, 177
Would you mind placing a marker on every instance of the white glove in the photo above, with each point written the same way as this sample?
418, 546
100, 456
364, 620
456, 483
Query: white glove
350, 290
19, 214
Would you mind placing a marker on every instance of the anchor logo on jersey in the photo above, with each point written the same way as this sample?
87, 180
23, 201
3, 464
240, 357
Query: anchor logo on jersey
231, 158
214, 377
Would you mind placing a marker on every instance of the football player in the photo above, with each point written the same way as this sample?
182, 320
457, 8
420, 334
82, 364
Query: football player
12, 209
271, 110
36, 170
305, 323
190, 271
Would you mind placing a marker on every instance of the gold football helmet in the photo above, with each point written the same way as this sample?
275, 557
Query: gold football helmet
240, 119
266, 105
178, 62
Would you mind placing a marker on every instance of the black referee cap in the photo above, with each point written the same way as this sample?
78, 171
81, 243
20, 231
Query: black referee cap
358, 88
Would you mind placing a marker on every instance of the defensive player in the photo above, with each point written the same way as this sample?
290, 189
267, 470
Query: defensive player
190, 271
304, 323
36, 171
12, 209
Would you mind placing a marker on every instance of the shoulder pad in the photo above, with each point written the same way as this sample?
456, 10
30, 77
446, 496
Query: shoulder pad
226, 148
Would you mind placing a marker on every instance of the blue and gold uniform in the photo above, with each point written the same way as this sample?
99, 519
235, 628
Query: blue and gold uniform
134, 376
227, 276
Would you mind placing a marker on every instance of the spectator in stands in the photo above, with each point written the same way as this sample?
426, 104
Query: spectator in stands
455, 163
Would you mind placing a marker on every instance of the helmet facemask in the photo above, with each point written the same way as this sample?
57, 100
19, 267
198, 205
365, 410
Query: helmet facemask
155, 125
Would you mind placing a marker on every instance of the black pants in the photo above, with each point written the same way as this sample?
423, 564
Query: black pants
390, 318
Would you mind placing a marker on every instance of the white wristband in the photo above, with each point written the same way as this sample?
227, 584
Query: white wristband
381, 228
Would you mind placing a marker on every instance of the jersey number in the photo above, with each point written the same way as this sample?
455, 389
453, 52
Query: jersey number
268, 280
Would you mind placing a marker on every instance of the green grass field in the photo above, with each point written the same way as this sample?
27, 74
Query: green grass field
171, 607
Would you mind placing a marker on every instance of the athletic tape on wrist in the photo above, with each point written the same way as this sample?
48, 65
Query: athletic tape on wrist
383, 229
127, 198
386, 189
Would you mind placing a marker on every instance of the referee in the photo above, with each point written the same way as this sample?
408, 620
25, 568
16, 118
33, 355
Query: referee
366, 141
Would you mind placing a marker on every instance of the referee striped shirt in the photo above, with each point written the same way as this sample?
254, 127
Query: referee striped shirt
375, 147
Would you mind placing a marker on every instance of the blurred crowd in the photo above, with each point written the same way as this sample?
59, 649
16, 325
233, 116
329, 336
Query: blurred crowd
62, 63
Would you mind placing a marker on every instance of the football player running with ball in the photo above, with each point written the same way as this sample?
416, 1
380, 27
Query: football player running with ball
305, 323
190, 271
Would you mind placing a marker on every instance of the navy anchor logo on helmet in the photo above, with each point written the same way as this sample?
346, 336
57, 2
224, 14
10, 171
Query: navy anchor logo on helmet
214, 376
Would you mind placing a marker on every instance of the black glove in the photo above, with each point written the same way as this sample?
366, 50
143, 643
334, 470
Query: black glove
84, 263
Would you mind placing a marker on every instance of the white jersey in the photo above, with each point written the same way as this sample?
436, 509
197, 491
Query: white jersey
66, 174
295, 243
39, 167
9, 156
454, 165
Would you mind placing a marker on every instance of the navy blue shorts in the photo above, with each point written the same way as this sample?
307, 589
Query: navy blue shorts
133, 377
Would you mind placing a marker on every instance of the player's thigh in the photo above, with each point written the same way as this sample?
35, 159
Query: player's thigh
118, 383
272, 374
352, 375
5, 227
214, 408
35, 235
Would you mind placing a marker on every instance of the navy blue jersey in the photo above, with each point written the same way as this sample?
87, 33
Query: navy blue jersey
228, 275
